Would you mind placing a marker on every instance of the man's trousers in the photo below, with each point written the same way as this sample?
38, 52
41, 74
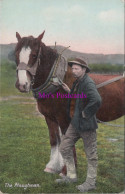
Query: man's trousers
90, 146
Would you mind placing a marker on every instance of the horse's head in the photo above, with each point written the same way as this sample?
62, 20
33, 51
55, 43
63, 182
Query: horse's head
27, 54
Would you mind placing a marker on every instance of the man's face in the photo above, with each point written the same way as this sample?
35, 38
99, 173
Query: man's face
78, 71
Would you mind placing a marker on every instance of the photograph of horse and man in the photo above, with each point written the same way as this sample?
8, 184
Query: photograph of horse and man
62, 107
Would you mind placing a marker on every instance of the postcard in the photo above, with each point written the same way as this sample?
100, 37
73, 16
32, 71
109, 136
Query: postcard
62, 96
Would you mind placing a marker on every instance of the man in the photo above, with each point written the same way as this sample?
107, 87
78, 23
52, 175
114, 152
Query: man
83, 125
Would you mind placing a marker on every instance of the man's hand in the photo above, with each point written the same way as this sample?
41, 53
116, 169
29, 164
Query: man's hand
65, 87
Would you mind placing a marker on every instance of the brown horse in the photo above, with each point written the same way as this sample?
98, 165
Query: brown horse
35, 61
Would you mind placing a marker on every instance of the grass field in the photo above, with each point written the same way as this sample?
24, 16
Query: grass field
25, 148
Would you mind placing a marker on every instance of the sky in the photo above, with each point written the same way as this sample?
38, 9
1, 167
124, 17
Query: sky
88, 26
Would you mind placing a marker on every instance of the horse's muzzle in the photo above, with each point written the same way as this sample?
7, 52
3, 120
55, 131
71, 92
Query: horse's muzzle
21, 88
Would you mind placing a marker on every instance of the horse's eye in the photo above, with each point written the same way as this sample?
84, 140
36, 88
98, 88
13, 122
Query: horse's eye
34, 56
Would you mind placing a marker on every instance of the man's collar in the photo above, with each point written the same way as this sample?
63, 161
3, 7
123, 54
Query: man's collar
82, 78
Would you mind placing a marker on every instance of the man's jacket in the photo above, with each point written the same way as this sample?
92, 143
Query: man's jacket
88, 105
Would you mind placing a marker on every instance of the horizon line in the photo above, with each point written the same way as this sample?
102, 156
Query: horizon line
72, 50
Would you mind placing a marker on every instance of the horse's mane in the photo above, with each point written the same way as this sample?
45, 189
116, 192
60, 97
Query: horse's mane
45, 50
47, 59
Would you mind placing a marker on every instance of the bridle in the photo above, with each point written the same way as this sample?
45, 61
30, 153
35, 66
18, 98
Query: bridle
32, 70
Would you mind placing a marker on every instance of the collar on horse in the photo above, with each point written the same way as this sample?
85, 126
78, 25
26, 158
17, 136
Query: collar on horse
54, 78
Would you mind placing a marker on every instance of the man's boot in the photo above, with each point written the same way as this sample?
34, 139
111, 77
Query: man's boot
71, 172
90, 182
85, 187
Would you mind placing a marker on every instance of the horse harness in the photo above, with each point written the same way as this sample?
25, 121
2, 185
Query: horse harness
54, 79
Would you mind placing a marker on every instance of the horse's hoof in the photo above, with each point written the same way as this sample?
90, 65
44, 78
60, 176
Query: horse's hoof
49, 170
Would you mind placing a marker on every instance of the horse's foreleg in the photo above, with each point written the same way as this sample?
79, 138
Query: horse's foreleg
56, 163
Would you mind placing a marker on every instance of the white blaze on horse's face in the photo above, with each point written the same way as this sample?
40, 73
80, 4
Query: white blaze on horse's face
24, 55
24, 77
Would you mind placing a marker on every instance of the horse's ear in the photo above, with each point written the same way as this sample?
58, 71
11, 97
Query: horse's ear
18, 36
41, 36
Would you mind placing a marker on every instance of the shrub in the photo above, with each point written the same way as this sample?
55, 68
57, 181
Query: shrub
106, 68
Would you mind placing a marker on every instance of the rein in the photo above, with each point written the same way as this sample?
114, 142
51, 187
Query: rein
109, 82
